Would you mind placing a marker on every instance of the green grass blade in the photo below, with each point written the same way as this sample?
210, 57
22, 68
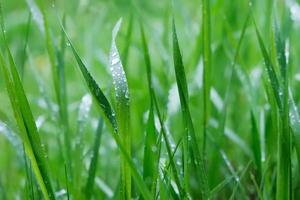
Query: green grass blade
155, 105
109, 115
93, 165
77, 164
270, 69
206, 66
150, 150
56, 57
284, 171
24, 56
125, 52
256, 148
122, 109
295, 124
191, 144
280, 91
26, 124
97, 93
25, 120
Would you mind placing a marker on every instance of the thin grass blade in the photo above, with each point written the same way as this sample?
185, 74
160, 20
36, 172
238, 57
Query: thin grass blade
122, 109
93, 165
192, 150
25, 121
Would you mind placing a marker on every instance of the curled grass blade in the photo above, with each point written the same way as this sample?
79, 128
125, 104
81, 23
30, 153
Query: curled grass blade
122, 109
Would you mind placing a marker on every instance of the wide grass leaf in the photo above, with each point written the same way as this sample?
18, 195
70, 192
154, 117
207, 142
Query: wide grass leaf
122, 108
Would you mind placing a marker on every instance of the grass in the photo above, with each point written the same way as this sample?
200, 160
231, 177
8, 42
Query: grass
142, 100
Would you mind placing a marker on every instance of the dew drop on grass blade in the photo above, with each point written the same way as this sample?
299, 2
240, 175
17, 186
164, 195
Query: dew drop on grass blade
109, 117
122, 109
280, 91
284, 170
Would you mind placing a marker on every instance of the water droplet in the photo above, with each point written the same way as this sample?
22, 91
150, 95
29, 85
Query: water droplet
68, 44
154, 148
126, 94
114, 61
114, 54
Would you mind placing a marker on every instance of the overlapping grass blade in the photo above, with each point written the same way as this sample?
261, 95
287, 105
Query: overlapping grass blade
56, 57
109, 116
270, 69
77, 165
94, 162
153, 101
284, 170
192, 150
206, 66
150, 165
295, 123
25, 121
228, 94
97, 93
280, 91
256, 148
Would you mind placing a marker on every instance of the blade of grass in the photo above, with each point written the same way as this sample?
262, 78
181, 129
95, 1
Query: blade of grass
125, 52
56, 57
270, 69
228, 94
280, 91
2, 190
256, 148
109, 116
162, 125
122, 109
93, 165
24, 55
191, 144
206, 66
77, 164
150, 150
25, 121
284, 173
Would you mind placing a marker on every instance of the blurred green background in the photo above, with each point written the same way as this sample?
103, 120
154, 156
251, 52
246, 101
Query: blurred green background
89, 24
